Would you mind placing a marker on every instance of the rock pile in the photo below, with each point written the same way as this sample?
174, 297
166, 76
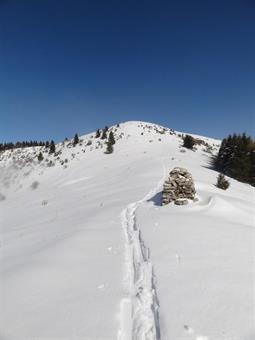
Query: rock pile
179, 187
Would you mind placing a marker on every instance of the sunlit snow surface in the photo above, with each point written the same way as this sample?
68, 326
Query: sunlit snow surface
66, 269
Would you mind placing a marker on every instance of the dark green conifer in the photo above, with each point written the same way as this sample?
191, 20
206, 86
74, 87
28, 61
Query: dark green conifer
235, 157
40, 157
52, 147
189, 142
111, 138
109, 148
97, 133
76, 139
104, 134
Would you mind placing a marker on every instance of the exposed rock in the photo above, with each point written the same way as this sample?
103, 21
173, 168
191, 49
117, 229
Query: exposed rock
181, 202
179, 187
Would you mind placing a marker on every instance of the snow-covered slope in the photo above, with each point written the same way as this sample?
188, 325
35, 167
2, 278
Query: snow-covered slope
87, 252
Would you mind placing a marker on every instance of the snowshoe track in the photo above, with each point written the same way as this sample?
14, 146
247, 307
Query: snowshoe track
139, 310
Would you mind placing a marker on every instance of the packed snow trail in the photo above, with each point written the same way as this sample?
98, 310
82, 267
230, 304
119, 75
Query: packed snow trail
139, 310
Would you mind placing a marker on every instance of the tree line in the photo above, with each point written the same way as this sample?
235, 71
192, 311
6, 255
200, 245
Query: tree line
24, 144
236, 158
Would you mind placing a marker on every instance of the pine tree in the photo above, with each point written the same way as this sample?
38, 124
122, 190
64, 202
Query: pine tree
235, 158
52, 147
76, 139
97, 133
111, 138
189, 142
47, 144
109, 148
104, 134
40, 157
252, 168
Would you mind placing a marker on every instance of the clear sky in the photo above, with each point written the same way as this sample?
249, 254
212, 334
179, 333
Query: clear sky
71, 66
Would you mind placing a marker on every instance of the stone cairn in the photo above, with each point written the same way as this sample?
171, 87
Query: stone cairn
178, 188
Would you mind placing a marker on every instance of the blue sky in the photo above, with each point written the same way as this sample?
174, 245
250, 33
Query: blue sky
74, 66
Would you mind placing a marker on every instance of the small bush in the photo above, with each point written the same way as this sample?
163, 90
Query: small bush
189, 142
222, 182
50, 164
34, 185
109, 148
2, 197
40, 157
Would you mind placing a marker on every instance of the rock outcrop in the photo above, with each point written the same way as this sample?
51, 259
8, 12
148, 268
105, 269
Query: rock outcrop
179, 187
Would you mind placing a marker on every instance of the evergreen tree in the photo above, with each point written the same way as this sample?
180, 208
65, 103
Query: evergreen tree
236, 158
252, 168
76, 139
47, 144
40, 157
189, 142
97, 133
52, 147
104, 134
111, 138
109, 148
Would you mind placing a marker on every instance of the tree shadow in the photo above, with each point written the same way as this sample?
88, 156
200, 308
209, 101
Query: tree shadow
210, 164
210, 167
156, 199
